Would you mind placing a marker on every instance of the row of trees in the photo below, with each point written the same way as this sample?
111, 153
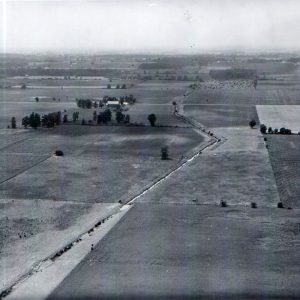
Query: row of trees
34, 120
106, 116
263, 129
270, 130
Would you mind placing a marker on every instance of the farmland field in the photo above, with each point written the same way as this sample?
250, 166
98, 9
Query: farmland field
209, 253
285, 158
174, 229
276, 116
219, 115
263, 95
96, 163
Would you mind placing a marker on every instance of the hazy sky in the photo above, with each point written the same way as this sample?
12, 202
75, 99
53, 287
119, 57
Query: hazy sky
149, 25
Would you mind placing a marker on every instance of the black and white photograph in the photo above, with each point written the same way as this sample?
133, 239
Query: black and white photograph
149, 149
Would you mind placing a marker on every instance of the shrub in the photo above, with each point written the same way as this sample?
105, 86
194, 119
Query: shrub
59, 153
275, 130
253, 205
280, 205
223, 203
252, 123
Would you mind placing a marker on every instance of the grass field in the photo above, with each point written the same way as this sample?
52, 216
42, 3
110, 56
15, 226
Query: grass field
285, 157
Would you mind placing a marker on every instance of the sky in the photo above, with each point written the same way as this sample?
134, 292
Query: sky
143, 26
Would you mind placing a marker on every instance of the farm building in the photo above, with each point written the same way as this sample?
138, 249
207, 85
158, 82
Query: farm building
115, 105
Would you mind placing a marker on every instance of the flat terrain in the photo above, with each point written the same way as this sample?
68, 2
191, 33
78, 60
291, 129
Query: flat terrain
20, 102
100, 163
176, 241
237, 171
219, 93
189, 251
285, 158
276, 116
219, 115
32, 230
43, 195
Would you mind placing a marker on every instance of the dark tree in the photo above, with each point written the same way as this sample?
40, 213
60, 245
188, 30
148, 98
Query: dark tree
25, 122
75, 116
37, 99
65, 119
13, 123
109, 86
107, 115
23, 86
255, 83
164, 153
95, 116
88, 103
263, 128
270, 130
119, 116
152, 119
127, 119
59, 153
252, 123
34, 120
117, 86
124, 86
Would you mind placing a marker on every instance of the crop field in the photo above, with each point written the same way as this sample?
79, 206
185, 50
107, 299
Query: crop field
235, 177
209, 252
48, 195
177, 230
285, 158
237, 139
276, 116
218, 115
238, 94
